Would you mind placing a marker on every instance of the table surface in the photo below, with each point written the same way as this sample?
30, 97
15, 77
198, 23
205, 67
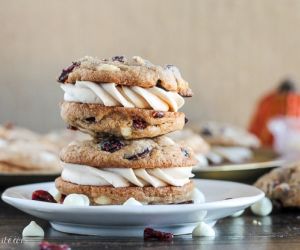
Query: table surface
278, 231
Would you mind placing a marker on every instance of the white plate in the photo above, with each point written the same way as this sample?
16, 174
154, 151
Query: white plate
131, 220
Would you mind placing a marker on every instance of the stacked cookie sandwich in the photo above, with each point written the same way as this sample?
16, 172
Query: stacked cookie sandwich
127, 106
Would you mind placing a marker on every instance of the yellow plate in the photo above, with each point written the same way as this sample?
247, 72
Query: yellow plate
262, 162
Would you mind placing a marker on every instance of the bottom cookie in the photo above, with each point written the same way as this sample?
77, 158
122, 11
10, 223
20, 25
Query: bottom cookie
107, 195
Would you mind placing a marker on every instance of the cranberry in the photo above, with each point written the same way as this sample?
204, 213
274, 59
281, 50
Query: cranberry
72, 127
185, 152
42, 195
150, 233
206, 132
44, 245
138, 155
169, 66
158, 114
65, 72
119, 58
111, 144
139, 123
90, 120
9, 125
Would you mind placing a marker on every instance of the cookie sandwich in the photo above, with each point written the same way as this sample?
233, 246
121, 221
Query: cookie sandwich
130, 98
112, 170
127, 106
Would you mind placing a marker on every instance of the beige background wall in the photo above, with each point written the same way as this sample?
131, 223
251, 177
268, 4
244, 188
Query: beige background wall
231, 51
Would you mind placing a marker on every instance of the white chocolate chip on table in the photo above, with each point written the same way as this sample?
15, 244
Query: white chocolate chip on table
263, 207
33, 230
203, 230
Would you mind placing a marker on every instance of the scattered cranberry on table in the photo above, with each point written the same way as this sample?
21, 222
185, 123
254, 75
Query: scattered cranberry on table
44, 245
150, 233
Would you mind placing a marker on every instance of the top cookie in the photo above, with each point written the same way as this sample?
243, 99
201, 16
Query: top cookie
134, 71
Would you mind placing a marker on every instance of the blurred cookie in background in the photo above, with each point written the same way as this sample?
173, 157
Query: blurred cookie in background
282, 185
193, 140
224, 134
61, 138
25, 151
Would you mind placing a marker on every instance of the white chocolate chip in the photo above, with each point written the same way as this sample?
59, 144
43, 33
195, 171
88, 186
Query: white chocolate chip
198, 196
238, 213
125, 131
263, 207
102, 200
33, 230
204, 230
108, 67
76, 200
132, 202
55, 193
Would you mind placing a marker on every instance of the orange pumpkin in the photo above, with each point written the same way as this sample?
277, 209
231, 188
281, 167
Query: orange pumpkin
284, 101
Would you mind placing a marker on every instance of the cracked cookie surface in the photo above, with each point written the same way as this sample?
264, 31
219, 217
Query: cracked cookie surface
159, 152
134, 71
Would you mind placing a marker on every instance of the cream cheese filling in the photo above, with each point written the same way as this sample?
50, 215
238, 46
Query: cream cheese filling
110, 94
124, 177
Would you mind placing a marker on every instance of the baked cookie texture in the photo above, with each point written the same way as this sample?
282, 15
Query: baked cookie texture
160, 152
129, 123
107, 195
134, 71
282, 185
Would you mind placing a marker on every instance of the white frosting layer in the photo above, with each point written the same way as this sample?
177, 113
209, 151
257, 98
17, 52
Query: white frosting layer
109, 94
124, 177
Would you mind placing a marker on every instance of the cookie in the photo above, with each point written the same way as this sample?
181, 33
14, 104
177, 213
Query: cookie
29, 154
282, 185
224, 134
129, 123
111, 152
192, 139
107, 195
134, 71
10, 132
7, 168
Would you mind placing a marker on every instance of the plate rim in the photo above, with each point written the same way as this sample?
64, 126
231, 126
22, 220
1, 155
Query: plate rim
244, 166
229, 203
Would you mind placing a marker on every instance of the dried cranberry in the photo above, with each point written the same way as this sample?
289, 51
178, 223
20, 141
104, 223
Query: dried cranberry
185, 152
169, 66
119, 58
72, 127
186, 120
139, 123
42, 195
138, 155
206, 132
65, 72
111, 144
44, 245
90, 120
150, 233
9, 125
158, 114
